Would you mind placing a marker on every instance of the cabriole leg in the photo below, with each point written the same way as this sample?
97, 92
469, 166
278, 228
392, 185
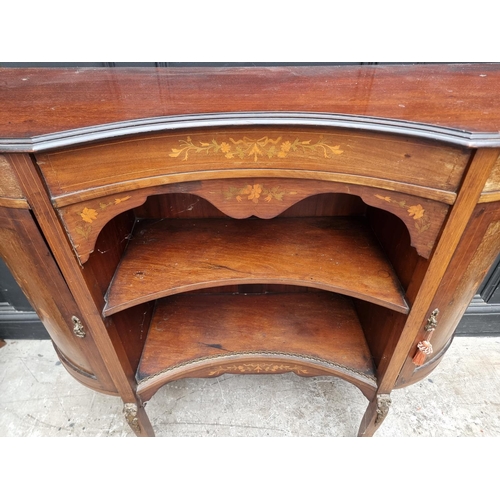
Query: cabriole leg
138, 420
374, 415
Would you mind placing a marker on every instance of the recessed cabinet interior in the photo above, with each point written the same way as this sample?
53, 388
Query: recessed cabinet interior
291, 231
250, 295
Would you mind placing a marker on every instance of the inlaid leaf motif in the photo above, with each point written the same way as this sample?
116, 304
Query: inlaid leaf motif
253, 192
120, 200
83, 231
89, 215
261, 367
385, 198
416, 212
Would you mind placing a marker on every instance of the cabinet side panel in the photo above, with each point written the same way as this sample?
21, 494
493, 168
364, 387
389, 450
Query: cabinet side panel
85, 294
475, 254
9, 187
11, 194
129, 328
382, 328
395, 240
110, 245
31, 263
493, 183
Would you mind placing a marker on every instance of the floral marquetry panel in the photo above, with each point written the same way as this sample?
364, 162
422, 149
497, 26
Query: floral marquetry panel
261, 197
363, 158
84, 221
257, 148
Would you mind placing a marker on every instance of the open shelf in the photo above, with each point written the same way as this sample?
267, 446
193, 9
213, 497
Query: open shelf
170, 256
209, 334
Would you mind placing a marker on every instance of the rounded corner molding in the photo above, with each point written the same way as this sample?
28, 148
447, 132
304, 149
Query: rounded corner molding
288, 118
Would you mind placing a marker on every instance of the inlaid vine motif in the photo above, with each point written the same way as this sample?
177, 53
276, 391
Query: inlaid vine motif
416, 212
256, 192
258, 368
89, 215
256, 148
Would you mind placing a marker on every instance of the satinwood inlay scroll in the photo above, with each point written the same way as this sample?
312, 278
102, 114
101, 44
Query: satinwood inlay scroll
261, 197
84, 221
260, 367
256, 193
241, 363
256, 148
376, 160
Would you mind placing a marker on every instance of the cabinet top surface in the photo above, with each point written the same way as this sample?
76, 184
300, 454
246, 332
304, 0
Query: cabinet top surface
35, 102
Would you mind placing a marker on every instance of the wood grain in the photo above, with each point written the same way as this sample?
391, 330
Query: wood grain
493, 182
39, 101
393, 236
173, 256
11, 195
491, 192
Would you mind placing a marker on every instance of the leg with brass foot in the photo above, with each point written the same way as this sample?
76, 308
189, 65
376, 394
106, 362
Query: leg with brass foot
138, 420
374, 415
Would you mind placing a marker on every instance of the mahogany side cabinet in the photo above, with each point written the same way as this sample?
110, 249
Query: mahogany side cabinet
190, 222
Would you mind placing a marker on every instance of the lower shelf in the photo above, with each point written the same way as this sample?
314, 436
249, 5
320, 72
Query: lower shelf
206, 335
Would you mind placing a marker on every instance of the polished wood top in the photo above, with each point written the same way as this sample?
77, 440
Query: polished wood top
35, 102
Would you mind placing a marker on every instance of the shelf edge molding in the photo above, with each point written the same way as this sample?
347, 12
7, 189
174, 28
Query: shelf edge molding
258, 362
